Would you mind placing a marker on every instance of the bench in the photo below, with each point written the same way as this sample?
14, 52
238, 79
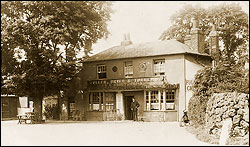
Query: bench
25, 114
29, 116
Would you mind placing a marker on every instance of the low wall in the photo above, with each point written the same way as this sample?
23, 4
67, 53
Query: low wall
94, 116
159, 116
232, 106
150, 116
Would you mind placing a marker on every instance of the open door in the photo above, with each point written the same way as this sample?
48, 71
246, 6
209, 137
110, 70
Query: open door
128, 112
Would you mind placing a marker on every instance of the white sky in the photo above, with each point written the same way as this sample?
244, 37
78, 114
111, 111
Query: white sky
145, 20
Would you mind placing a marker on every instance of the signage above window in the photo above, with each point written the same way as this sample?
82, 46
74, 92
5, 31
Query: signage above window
130, 83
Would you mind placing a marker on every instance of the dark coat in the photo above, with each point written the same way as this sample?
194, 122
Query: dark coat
134, 106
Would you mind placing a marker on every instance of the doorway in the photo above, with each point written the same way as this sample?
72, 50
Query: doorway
128, 112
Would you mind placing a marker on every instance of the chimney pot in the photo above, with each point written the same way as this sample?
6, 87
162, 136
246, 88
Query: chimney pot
124, 37
126, 40
128, 36
195, 39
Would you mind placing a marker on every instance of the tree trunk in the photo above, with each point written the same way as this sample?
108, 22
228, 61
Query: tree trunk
38, 106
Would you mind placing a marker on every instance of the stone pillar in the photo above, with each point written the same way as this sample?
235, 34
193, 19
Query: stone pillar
120, 105
225, 130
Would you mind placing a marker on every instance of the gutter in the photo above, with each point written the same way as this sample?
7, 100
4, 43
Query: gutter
98, 60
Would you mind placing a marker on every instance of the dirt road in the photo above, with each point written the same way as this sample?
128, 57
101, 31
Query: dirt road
83, 133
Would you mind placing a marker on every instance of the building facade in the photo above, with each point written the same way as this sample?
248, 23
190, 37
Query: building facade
158, 75
10, 105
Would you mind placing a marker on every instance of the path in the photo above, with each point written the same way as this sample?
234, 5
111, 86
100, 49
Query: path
124, 133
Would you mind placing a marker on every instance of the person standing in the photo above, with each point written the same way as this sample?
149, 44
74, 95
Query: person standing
64, 111
134, 108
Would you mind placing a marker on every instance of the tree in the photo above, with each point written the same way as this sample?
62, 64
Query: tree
229, 75
232, 26
40, 29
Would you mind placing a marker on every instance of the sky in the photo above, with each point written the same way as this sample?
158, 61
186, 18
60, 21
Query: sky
145, 20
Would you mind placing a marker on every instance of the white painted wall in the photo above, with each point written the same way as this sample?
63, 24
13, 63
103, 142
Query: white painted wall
119, 104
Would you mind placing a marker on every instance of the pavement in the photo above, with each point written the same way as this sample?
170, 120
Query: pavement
95, 133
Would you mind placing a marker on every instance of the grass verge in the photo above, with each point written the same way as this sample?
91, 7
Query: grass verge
202, 134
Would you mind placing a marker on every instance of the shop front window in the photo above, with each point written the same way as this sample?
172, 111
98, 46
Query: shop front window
110, 101
100, 101
160, 100
154, 100
96, 101
170, 99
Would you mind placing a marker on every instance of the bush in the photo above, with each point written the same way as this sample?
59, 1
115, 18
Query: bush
202, 90
51, 111
223, 78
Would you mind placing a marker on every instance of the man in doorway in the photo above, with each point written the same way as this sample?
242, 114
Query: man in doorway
134, 108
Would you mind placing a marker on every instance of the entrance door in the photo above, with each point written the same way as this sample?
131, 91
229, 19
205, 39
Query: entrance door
128, 112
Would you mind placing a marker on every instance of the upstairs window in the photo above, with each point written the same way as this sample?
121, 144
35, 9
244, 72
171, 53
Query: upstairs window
159, 67
128, 69
101, 71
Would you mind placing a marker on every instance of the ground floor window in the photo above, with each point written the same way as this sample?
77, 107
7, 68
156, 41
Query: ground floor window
160, 100
100, 101
170, 99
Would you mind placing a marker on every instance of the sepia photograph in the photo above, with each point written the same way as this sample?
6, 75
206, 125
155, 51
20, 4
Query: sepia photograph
124, 73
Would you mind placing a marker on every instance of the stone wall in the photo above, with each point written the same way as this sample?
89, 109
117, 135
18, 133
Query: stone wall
233, 106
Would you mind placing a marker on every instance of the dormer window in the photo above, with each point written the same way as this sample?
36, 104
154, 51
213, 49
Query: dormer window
128, 69
101, 71
159, 67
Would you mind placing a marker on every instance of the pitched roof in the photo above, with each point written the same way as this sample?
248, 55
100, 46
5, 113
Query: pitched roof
155, 48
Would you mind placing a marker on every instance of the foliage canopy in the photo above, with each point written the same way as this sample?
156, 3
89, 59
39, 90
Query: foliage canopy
44, 31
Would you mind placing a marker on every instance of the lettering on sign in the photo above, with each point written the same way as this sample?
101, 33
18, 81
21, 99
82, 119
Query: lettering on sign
132, 83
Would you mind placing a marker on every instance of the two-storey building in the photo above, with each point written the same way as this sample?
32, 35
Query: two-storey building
157, 74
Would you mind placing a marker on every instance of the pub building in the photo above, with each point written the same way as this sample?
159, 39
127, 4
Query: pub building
158, 75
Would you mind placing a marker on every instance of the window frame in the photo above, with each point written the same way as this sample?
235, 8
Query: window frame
103, 100
154, 101
170, 99
159, 69
95, 100
128, 73
102, 71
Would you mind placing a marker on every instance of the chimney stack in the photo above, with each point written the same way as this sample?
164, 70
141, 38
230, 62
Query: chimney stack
214, 45
196, 38
126, 40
